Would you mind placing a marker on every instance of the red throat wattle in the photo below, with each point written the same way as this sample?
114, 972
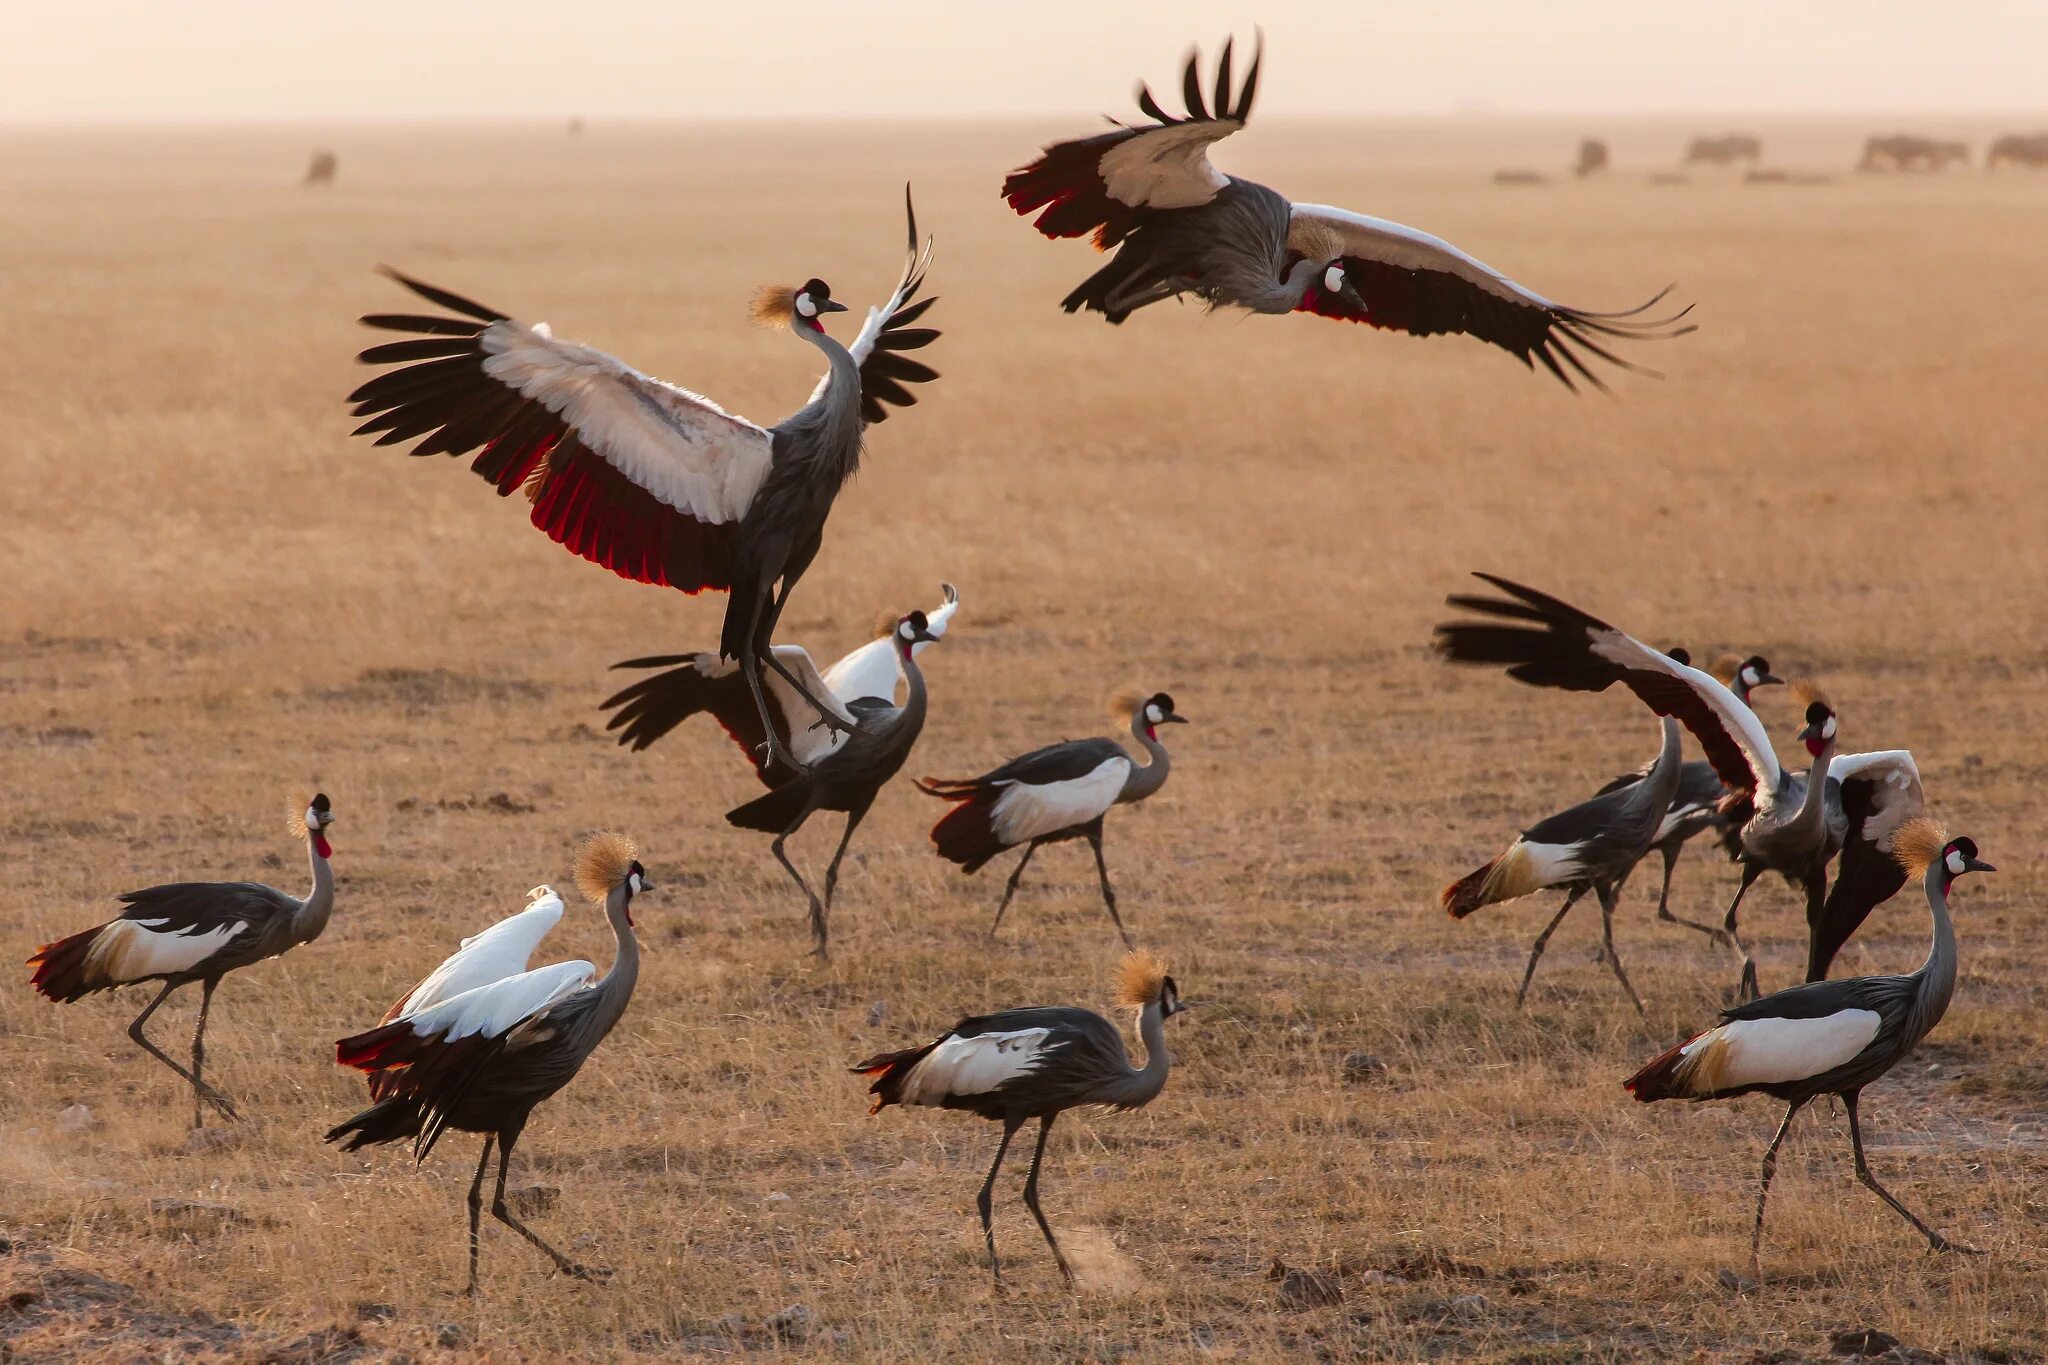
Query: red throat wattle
1814, 746
1152, 733
816, 326
321, 846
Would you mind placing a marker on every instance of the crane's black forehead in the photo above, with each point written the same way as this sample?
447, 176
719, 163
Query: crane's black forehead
817, 288
320, 801
1162, 701
1816, 712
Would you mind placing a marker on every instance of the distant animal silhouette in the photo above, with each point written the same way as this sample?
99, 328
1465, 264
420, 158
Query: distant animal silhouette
1912, 153
1725, 150
320, 170
1593, 157
2021, 149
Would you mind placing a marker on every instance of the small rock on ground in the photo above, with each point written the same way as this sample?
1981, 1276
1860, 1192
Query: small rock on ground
793, 1323
1362, 1067
1301, 1288
1861, 1341
531, 1201
76, 1120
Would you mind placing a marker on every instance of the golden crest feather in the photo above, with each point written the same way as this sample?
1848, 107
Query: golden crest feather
773, 305
1805, 692
1917, 843
885, 624
295, 820
1139, 977
1125, 701
602, 864
1317, 241
1724, 668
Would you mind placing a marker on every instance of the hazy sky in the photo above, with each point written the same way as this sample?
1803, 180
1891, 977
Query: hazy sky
324, 59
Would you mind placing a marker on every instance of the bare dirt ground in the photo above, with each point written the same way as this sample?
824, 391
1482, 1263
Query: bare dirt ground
216, 602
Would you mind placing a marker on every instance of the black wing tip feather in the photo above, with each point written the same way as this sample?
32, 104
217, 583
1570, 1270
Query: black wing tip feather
435, 294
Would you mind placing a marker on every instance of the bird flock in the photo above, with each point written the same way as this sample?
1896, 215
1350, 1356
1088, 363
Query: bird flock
663, 486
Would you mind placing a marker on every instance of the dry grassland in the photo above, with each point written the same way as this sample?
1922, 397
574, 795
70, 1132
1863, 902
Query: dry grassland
215, 602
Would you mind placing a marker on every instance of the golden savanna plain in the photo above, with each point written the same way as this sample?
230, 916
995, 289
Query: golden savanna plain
217, 602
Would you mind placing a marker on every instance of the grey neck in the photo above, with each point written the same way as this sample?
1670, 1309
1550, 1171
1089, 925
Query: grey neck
1142, 1084
1662, 780
1937, 975
1812, 813
1143, 781
912, 711
1286, 296
832, 417
616, 988
311, 919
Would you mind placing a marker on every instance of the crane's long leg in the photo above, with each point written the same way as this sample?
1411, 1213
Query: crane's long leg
1934, 1239
1011, 889
1763, 1190
503, 1213
1102, 871
1671, 852
1606, 895
750, 669
199, 1050
1031, 1197
1816, 904
1543, 941
853, 819
986, 1200
825, 716
476, 1207
765, 639
199, 1087
820, 932
1746, 988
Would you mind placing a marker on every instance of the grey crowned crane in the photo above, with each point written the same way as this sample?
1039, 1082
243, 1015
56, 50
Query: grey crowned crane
657, 484
1797, 827
1056, 793
1590, 847
1828, 1037
1698, 806
1180, 226
500, 951
193, 931
1035, 1063
845, 771
864, 679
481, 1060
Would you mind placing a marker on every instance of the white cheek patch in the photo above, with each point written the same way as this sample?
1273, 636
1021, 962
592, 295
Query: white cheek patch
905, 631
312, 818
1333, 279
1827, 731
636, 883
1749, 678
1153, 714
1955, 863
805, 306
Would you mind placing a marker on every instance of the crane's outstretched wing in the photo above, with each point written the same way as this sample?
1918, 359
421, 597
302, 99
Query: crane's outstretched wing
889, 332
1415, 283
500, 951
1548, 643
1880, 792
645, 478
653, 706
871, 672
1101, 184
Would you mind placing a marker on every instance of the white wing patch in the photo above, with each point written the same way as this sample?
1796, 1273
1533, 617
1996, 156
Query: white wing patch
1774, 1051
679, 446
808, 740
872, 670
1898, 797
495, 1009
1378, 239
132, 949
498, 952
972, 1066
1026, 812
1527, 868
1737, 720
1167, 168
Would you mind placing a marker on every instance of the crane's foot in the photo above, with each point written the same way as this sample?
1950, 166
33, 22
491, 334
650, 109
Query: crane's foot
221, 1103
772, 753
832, 723
596, 1274
1941, 1243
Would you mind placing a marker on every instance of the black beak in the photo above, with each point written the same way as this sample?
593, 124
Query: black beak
645, 885
1977, 865
1175, 719
924, 637
1767, 679
831, 306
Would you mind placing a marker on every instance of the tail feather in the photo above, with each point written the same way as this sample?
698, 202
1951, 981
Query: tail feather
63, 968
966, 834
1660, 1080
775, 811
394, 1119
1468, 893
890, 1070
377, 1049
